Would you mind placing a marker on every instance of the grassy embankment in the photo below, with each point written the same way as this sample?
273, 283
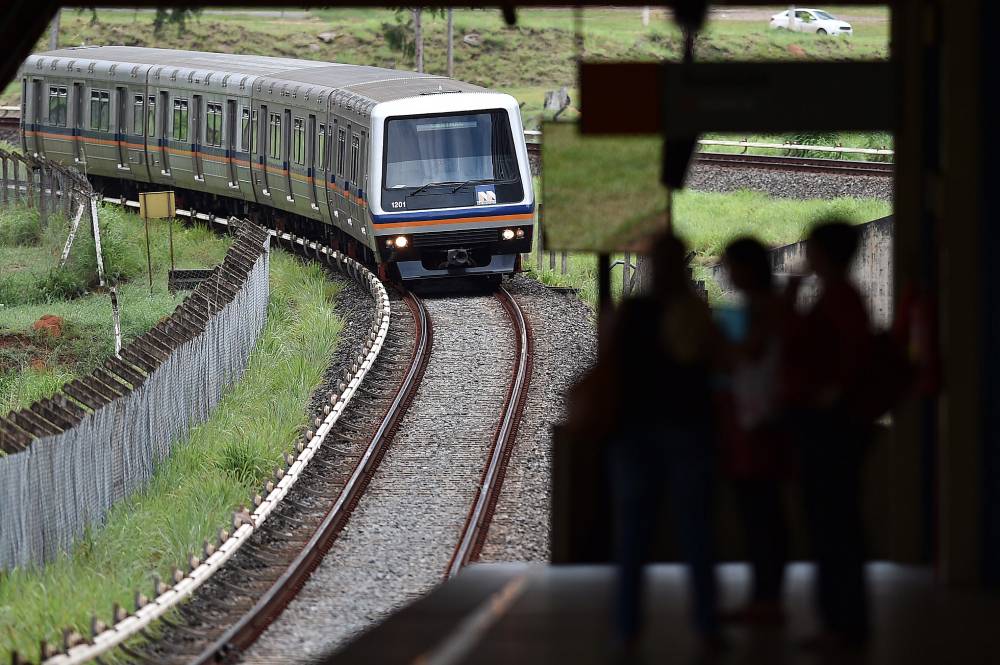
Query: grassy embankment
526, 60
195, 490
582, 213
34, 364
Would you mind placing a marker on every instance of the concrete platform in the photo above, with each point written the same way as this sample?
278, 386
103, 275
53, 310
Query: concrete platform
524, 614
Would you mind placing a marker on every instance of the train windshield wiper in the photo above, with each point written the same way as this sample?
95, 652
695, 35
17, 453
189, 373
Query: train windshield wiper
433, 184
478, 181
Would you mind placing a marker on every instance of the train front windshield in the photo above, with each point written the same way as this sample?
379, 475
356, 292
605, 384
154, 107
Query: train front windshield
458, 150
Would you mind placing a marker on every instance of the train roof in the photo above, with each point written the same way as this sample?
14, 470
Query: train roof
376, 84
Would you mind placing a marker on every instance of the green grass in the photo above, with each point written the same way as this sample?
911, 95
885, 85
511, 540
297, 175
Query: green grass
536, 55
34, 365
194, 491
708, 221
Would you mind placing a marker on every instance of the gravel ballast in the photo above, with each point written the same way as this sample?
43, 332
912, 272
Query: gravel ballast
565, 347
400, 537
788, 184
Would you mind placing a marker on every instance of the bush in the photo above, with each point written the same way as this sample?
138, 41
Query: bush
19, 227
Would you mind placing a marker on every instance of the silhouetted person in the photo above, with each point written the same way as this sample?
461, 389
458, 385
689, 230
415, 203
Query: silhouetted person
828, 353
662, 345
757, 456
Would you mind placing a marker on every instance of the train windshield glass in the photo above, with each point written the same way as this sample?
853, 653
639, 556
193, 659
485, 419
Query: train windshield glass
449, 149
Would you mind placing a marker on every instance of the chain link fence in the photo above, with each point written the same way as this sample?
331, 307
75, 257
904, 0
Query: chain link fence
65, 460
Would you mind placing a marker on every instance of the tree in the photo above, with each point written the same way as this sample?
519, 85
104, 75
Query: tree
418, 38
451, 43
406, 34
176, 15
54, 31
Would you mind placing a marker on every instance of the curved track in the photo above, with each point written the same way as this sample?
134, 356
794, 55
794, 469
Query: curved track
477, 524
245, 631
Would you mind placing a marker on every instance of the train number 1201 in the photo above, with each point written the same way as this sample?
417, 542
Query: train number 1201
399, 204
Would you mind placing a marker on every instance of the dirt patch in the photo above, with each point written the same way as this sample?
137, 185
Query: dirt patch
50, 324
15, 341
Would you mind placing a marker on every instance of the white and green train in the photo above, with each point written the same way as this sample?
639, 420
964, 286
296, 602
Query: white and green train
421, 173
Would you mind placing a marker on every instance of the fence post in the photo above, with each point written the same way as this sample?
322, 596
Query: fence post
42, 208
96, 229
626, 269
29, 184
3, 161
562, 268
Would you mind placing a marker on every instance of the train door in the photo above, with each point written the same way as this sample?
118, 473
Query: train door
352, 188
267, 139
78, 153
286, 156
311, 162
197, 117
121, 126
37, 119
164, 132
231, 145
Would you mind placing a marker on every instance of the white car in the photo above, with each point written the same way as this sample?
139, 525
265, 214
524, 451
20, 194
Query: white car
811, 20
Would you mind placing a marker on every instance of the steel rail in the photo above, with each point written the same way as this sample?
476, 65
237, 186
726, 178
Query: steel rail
477, 523
244, 632
801, 164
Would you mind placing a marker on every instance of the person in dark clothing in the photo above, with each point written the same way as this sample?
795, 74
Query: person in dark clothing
661, 346
756, 452
828, 350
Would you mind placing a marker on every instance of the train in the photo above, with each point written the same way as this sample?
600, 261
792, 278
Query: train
423, 176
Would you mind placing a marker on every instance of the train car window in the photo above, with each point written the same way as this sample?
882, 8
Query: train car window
298, 141
355, 158
100, 110
137, 115
341, 150
58, 103
180, 120
253, 131
244, 129
213, 124
274, 135
321, 147
151, 116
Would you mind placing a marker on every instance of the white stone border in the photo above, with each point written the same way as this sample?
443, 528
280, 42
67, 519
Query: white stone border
157, 607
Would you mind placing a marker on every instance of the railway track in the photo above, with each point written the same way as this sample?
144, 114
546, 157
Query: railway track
847, 167
429, 506
473, 536
243, 632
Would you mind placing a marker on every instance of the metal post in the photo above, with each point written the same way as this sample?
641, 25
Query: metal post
604, 300
562, 267
149, 258
3, 161
96, 229
538, 238
170, 231
626, 268
117, 319
552, 259
42, 208
29, 185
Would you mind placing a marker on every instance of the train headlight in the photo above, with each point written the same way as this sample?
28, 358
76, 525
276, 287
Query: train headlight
519, 233
507, 234
401, 242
